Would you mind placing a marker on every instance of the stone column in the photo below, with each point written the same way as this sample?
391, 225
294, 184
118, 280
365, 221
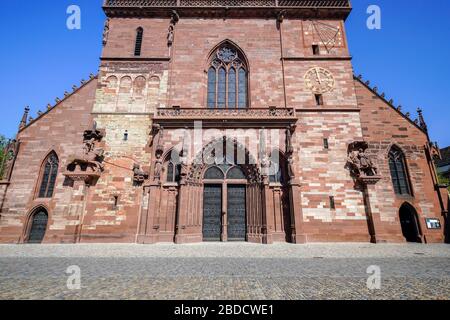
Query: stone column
268, 219
369, 213
298, 232
374, 224
224, 213
183, 232
148, 230
77, 208
79, 197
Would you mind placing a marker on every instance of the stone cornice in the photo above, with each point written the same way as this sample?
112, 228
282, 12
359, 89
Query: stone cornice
143, 59
332, 9
327, 109
251, 117
318, 58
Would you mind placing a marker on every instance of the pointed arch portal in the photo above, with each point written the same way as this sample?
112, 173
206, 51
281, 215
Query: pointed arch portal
224, 204
222, 195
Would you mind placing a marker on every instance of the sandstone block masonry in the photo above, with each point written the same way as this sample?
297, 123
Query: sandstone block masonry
97, 166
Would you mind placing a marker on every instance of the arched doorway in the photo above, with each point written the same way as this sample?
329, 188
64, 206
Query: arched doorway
38, 227
224, 204
409, 223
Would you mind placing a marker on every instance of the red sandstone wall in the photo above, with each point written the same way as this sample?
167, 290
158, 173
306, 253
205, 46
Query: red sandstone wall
323, 174
298, 38
61, 130
383, 127
194, 40
104, 222
260, 41
122, 36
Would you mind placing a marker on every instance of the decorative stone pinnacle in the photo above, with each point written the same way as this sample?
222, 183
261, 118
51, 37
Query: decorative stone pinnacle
422, 122
24, 120
74, 87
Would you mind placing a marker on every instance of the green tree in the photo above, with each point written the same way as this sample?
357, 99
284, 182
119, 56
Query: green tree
444, 180
3, 144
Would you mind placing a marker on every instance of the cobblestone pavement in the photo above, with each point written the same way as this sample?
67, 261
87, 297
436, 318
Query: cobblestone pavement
225, 271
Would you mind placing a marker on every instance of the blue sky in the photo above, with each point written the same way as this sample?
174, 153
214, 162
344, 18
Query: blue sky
408, 58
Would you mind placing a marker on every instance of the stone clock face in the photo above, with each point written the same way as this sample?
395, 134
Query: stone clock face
319, 80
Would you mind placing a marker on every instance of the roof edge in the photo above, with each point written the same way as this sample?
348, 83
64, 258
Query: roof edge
375, 92
84, 83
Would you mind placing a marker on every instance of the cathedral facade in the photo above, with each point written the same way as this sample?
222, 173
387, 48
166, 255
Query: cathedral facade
235, 120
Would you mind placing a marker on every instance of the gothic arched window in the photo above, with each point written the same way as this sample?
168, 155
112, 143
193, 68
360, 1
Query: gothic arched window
227, 79
173, 172
39, 221
399, 173
138, 43
236, 173
214, 173
49, 174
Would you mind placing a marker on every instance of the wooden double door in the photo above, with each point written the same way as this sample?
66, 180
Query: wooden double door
224, 212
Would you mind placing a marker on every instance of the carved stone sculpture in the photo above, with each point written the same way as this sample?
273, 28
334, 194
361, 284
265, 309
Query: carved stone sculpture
90, 159
158, 166
291, 171
106, 32
170, 36
139, 175
359, 163
171, 33
87, 164
265, 165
